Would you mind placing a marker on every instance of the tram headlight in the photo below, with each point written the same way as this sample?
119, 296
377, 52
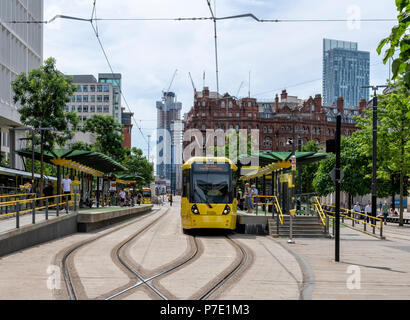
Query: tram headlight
194, 209
226, 211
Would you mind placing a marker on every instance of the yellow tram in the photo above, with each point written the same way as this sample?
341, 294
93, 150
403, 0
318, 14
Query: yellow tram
146, 194
208, 198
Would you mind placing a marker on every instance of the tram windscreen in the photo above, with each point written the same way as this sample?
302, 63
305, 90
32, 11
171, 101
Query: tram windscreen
211, 183
146, 193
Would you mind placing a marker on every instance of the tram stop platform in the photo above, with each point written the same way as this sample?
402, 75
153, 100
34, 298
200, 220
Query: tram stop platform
94, 218
28, 234
252, 223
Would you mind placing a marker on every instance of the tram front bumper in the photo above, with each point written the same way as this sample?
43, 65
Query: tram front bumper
213, 221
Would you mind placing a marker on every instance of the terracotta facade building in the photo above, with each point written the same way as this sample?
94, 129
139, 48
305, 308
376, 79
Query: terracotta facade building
313, 120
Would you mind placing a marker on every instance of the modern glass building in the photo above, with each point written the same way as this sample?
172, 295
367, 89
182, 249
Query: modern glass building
345, 71
21, 50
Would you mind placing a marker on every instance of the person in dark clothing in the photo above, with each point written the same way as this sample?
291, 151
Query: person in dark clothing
49, 191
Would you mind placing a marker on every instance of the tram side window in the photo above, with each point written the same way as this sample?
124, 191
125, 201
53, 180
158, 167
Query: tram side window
185, 183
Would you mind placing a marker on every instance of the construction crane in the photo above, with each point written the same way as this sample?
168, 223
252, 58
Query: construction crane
240, 87
172, 80
192, 81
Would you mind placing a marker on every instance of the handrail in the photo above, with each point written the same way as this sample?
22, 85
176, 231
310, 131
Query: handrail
319, 210
274, 203
358, 213
23, 201
12, 195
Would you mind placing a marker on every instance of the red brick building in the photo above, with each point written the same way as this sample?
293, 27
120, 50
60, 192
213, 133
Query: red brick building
126, 127
315, 122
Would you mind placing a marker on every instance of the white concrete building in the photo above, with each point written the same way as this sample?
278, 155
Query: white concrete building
21, 49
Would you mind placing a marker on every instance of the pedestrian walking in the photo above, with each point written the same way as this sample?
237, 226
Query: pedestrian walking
170, 199
368, 210
381, 206
357, 209
385, 209
67, 190
122, 197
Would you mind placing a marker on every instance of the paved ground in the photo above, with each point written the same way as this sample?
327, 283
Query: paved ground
381, 267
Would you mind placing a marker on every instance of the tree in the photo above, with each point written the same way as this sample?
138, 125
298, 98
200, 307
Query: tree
399, 37
393, 135
109, 135
137, 163
355, 166
81, 145
42, 95
308, 171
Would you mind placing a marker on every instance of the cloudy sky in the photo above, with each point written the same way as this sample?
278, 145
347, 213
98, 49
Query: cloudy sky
146, 53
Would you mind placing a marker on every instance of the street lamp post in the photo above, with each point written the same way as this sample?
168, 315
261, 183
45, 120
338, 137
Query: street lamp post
374, 151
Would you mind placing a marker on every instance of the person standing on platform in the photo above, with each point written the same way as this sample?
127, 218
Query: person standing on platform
248, 198
67, 190
170, 199
385, 212
357, 209
368, 210
48, 191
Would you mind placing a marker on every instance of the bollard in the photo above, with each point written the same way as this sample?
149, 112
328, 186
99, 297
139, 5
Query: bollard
18, 216
58, 206
364, 225
34, 211
47, 209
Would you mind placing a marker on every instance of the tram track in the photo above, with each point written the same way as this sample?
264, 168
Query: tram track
137, 279
68, 254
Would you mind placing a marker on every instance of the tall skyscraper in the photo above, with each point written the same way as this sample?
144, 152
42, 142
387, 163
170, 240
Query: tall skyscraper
169, 126
21, 49
345, 71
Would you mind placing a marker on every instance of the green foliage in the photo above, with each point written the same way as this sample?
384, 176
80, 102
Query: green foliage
399, 38
308, 171
137, 163
80, 145
109, 135
43, 94
355, 166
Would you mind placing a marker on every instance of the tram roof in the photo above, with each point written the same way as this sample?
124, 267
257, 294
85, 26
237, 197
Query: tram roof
188, 164
91, 162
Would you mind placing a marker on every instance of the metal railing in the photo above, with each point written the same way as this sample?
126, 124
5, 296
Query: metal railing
274, 203
367, 220
320, 211
62, 201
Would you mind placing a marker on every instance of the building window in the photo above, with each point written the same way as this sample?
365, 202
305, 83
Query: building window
85, 88
99, 98
73, 99
215, 114
79, 98
72, 108
230, 114
230, 104
270, 129
203, 103
223, 114
85, 98
203, 114
313, 108
92, 108
265, 129
78, 89
203, 127
85, 108
223, 104
230, 126
249, 104
250, 115
99, 109
106, 88
237, 128
199, 103
67, 108
79, 108
249, 128
84, 118
99, 88
237, 114
92, 88
106, 109
92, 98
106, 98
267, 143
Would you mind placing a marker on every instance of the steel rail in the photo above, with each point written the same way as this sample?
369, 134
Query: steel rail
66, 275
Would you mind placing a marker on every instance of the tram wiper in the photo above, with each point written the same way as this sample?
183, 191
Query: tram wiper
207, 201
